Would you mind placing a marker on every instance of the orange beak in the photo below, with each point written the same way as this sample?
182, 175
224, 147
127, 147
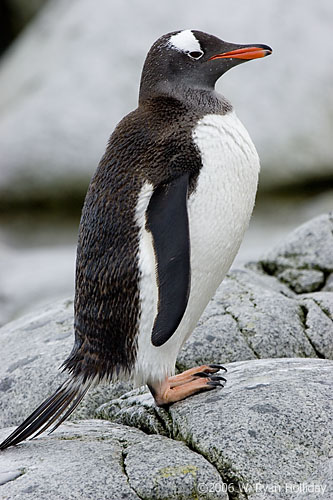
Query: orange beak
245, 53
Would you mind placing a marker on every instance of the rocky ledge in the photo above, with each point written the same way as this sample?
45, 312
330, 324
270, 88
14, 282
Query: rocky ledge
265, 435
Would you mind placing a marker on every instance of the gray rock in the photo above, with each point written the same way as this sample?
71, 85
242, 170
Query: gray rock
308, 248
268, 431
137, 408
302, 280
318, 322
265, 435
97, 459
319, 486
329, 283
253, 315
33, 349
163, 468
58, 108
217, 339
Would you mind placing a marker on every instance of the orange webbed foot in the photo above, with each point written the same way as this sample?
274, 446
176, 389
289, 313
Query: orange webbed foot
187, 383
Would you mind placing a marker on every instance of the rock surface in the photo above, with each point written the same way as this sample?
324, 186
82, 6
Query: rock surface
265, 435
33, 349
304, 260
96, 459
253, 315
268, 431
58, 108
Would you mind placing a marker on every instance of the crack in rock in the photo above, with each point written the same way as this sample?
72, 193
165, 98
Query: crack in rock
303, 317
318, 327
224, 477
123, 456
322, 308
242, 332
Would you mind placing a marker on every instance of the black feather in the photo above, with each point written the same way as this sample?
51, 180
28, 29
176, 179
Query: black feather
69, 393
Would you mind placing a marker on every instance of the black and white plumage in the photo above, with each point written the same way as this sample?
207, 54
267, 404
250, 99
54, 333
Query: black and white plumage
163, 219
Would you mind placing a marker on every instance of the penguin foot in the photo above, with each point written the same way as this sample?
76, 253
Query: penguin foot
198, 371
183, 385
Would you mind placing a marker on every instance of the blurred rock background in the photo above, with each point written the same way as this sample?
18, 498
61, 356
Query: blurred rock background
69, 71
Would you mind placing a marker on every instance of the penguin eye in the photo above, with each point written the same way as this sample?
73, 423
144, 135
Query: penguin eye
197, 54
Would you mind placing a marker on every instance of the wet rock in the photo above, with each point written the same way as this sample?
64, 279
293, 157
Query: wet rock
97, 459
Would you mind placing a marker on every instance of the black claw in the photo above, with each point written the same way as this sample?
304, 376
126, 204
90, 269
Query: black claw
216, 377
215, 383
202, 374
219, 367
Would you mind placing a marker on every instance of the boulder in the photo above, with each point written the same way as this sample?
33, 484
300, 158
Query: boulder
304, 261
97, 459
267, 432
73, 74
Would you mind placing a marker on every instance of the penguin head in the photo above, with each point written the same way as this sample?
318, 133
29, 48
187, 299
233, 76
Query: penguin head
192, 59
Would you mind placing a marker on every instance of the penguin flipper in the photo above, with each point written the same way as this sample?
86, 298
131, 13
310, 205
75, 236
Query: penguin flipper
167, 220
48, 412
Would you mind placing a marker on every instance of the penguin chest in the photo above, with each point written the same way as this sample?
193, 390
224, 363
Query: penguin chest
219, 210
221, 205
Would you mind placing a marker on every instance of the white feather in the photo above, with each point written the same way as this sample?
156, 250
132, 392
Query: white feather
148, 283
185, 41
219, 211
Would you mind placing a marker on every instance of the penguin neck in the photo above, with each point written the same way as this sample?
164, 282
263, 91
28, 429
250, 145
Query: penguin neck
201, 100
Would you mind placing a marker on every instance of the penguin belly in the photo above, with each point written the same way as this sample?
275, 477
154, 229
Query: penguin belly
219, 211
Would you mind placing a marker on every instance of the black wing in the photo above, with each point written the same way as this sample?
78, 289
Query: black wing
167, 220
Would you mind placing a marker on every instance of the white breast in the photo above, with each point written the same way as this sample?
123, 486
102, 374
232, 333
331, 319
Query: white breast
221, 206
219, 211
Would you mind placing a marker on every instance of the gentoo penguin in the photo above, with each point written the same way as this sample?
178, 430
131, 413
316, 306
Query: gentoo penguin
162, 221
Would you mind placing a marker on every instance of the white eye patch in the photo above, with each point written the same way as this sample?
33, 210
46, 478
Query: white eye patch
185, 41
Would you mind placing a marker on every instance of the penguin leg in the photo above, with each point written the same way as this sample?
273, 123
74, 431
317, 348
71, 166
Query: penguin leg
166, 392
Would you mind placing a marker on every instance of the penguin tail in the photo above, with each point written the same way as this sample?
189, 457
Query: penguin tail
65, 399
